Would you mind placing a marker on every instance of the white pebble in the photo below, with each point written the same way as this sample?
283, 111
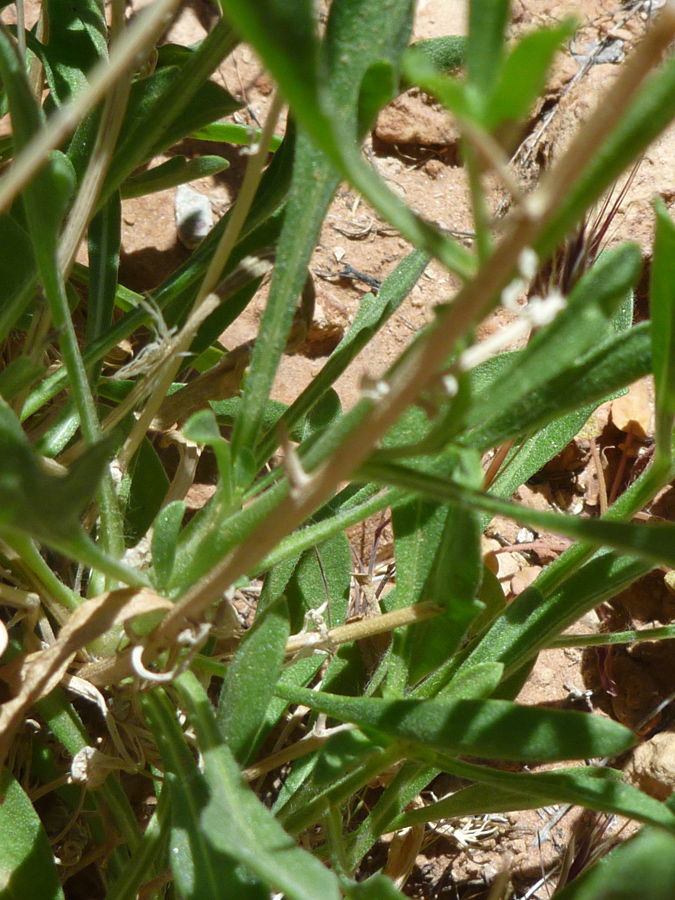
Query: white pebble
194, 217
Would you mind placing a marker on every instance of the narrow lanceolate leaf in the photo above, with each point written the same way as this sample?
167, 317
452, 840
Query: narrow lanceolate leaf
104, 259
496, 791
201, 870
523, 74
610, 367
175, 171
236, 822
251, 677
27, 867
485, 728
17, 273
550, 357
485, 45
662, 309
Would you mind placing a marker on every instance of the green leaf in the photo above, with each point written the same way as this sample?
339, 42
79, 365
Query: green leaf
149, 487
491, 595
238, 824
586, 787
141, 863
377, 887
27, 867
324, 413
105, 237
407, 783
490, 728
175, 171
30, 493
164, 541
641, 867
485, 43
203, 428
209, 102
454, 583
322, 574
18, 273
616, 363
531, 620
476, 683
484, 799
445, 53
340, 754
437, 558
529, 457
662, 310
523, 75
553, 351
200, 867
419, 70
250, 681
77, 40
231, 133
378, 87
61, 431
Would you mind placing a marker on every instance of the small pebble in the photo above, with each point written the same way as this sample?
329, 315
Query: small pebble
194, 217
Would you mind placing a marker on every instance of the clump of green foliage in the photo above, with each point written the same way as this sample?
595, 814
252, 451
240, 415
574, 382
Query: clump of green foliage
104, 580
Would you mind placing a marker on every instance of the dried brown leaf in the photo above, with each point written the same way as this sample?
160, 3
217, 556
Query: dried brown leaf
35, 675
633, 412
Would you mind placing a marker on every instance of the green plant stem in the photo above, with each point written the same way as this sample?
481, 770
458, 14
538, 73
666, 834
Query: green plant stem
30, 557
335, 840
481, 215
411, 778
141, 863
664, 633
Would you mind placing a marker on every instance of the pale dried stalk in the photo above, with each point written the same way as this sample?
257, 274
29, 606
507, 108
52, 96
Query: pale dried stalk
241, 209
112, 116
362, 628
143, 33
